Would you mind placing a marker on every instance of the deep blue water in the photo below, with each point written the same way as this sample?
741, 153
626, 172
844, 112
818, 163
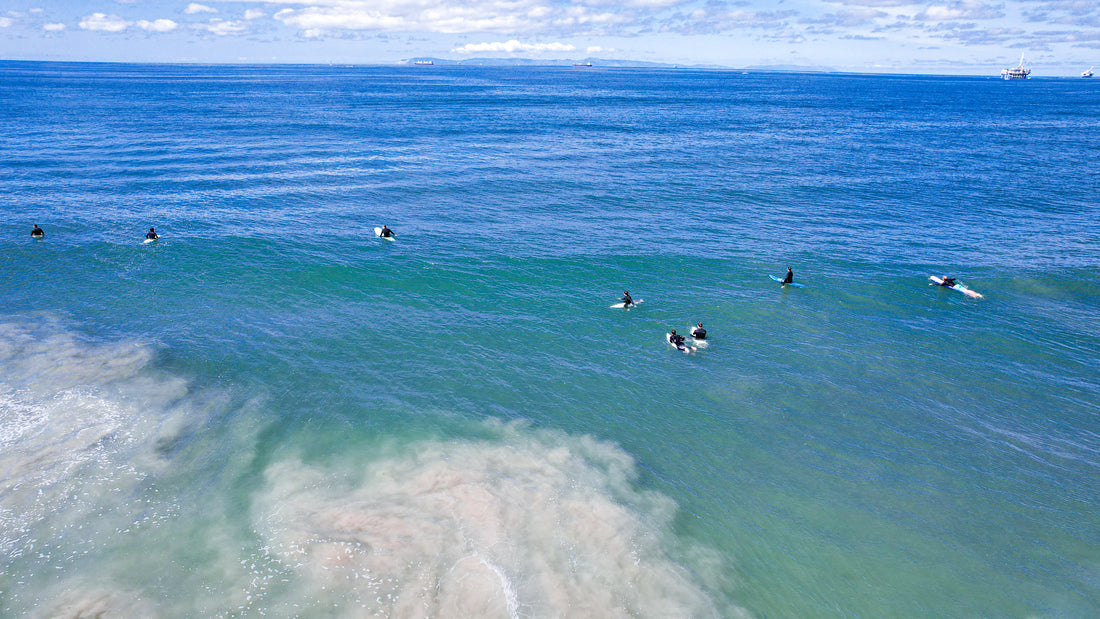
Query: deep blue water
272, 411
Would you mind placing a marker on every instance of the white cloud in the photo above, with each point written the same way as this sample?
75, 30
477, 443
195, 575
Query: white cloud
159, 25
195, 8
105, 23
225, 28
347, 18
254, 14
596, 49
941, 13
53, 27
967, 9
513, 47
876, 3
5, 22
638, 4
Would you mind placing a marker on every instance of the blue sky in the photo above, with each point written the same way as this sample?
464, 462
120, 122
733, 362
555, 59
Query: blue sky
1059, 37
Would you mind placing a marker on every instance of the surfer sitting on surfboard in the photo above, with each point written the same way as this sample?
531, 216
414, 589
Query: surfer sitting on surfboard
699, 332
790, 276
627, 301
386, 232
151, 235
38, 232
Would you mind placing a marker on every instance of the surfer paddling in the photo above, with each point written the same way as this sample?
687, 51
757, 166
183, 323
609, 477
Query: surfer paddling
676, 340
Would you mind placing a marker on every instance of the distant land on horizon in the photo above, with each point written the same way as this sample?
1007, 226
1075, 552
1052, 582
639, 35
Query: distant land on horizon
593, 63
596, 63
603, 62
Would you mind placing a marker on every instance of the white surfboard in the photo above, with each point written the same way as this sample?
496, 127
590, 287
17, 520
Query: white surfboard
378, 233
622, 305
147, 241
936, 281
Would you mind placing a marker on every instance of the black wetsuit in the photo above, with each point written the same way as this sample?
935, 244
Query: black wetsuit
789, 278
627, 301
699, 333
151, 235
677, 340
385, 232
948, 282
39, 232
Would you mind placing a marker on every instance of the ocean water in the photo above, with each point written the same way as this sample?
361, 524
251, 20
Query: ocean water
271, 412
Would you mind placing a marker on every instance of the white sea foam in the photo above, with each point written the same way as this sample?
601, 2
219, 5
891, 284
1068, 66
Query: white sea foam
79, 423
56, 425
534, 524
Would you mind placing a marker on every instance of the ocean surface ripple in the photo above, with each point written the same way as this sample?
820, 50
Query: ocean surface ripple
271, 411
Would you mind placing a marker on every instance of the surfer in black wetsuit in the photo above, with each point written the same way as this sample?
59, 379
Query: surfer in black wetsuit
152, 235
386, 232
38, 232
789, 277
676, 340
948, 281
699, 332
627, 301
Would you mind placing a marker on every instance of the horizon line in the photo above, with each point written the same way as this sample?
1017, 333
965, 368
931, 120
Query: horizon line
499, 62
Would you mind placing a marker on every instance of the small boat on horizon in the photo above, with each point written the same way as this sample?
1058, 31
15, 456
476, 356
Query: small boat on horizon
1087, 73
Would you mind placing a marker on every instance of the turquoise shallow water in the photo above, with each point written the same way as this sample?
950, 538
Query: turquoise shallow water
270, 411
